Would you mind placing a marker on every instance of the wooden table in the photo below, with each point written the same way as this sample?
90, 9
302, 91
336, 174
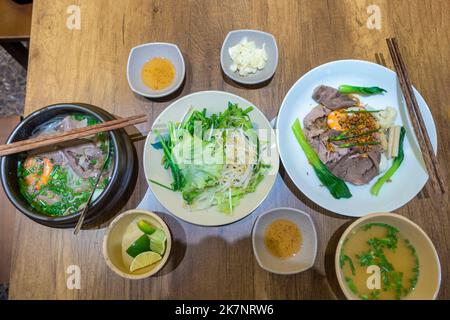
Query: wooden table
15, 28
89, 65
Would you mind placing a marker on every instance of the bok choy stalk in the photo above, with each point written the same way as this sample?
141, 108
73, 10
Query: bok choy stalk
335, 185
375, 190
348, 89
178, 179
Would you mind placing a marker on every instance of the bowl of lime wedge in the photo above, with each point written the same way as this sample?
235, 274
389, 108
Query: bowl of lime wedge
137, 244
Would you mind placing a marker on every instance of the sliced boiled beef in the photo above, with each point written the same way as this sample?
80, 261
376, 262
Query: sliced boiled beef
357, 168
331, 98
350, 164
81, 158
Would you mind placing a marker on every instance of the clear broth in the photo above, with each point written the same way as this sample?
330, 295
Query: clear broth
359, 247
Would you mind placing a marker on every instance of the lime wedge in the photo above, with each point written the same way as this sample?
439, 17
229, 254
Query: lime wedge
143, 260
158, 241
146, 226
142, 244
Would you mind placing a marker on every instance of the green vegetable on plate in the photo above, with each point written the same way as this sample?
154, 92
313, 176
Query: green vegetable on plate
375, 190
349, 89
337, 187
200, 153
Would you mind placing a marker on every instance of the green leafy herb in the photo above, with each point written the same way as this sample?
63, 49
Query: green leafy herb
358, 144
344, 136
360, 111
195, 152
351, 285
343, 258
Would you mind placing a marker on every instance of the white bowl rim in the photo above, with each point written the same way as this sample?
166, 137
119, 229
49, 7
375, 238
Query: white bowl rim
294, 210
243, 80
360, 220
162, 93
162, 261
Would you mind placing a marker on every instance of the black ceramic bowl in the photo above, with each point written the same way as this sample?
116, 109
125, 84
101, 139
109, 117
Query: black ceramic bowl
105, 203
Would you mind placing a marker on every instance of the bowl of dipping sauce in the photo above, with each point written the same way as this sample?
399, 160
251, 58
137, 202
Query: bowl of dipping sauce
155, 69
249, 56
284, 241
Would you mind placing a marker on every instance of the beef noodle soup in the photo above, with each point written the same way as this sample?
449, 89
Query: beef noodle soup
59, 181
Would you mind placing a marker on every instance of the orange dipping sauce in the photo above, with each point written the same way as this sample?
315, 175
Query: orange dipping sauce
158, 73
283, 238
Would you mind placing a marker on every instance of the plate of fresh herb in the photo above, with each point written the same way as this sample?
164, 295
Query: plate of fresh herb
211, 158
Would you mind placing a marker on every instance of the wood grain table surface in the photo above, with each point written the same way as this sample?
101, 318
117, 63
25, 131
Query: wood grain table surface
89, 65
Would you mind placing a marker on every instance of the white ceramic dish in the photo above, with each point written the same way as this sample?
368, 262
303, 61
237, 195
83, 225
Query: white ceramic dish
407, 181
301, 261
112, 244
214, 102
429, 281
141, 54
260, 38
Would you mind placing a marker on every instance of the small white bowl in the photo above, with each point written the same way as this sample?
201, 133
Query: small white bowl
301, 261
112, 244
144, 52
260, 38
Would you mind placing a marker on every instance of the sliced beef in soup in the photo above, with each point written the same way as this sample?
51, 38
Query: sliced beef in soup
59, 181
331, 98
85, 159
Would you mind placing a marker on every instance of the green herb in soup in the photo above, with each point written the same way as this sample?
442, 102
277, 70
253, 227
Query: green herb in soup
381, 245
58, 182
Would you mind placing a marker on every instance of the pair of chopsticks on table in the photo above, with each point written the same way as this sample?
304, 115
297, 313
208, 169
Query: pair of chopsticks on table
44, 141
431, 164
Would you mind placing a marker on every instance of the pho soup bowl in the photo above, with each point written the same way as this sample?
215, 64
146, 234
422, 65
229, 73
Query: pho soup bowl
122, 154
118, 236
412, 244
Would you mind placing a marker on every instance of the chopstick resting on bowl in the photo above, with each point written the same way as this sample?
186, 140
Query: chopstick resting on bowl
44, 141
418, 123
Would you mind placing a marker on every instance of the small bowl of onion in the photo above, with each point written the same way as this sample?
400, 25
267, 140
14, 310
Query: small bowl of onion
249, 56
284, 241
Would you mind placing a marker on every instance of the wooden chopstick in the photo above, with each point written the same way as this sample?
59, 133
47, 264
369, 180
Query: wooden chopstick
415, 115
43, 141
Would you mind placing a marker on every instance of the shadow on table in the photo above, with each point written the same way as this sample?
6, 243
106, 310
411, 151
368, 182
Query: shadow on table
179, 241
238, 85
304, 199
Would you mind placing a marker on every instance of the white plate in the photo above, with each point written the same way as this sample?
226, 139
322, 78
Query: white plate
407, 181
214, 102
